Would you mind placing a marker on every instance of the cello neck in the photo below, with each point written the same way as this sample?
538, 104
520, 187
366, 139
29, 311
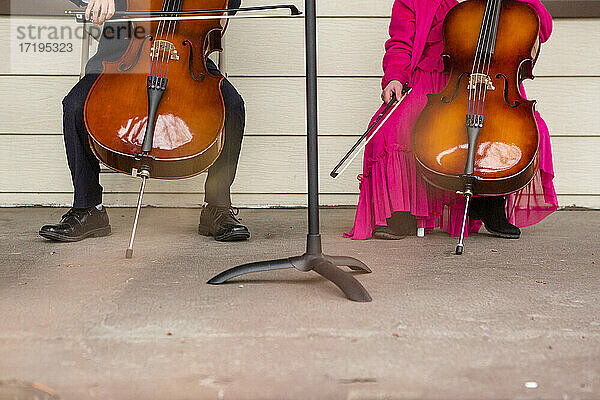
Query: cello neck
489, 28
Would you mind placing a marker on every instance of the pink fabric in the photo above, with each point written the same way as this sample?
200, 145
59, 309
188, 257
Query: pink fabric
389, 181
434, 45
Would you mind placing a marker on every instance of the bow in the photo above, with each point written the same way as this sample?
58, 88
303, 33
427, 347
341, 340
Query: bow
140, 16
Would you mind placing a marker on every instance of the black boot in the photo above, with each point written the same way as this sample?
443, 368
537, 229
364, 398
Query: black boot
399, 226
78, 224
221, 223
491, 211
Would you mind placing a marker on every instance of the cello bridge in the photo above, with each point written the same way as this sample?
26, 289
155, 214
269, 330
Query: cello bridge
163, 47
477, 79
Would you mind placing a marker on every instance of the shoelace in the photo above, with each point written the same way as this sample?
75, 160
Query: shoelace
226, 212
78, 214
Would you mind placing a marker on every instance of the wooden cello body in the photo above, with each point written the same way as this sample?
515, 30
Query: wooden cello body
479, 133
158, 112
161, 78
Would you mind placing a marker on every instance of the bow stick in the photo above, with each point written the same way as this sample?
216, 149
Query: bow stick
367, 136
144, 16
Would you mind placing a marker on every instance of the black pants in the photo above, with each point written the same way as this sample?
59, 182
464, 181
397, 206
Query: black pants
85, 168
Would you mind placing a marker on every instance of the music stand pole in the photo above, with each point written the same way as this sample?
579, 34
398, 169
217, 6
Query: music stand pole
313, 259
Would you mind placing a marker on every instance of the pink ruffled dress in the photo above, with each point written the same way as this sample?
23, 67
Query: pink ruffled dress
390, 181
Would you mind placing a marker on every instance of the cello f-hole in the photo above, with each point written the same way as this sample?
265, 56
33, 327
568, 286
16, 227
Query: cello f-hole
191, 62
123, 66
516, 102
444, 100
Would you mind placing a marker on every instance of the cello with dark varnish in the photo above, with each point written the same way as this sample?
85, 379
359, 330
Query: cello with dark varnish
479, 136
157, 111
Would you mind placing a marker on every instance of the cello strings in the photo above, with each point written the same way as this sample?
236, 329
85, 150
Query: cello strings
482, 55
152, 60
496, 20
158, 38
178, 7
484, 52
166, 50
154, 63
162, 47
482, 48
477, 60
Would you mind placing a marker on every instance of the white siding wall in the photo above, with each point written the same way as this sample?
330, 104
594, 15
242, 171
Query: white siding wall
264, 60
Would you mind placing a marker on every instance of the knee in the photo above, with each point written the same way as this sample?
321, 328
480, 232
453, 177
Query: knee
235, 106
72, 104
73, 119
234, 103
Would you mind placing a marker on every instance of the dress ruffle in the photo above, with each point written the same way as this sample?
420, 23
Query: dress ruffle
390, 181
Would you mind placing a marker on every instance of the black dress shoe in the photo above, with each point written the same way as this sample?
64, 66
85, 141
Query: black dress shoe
221, 223
78, 224
491, 211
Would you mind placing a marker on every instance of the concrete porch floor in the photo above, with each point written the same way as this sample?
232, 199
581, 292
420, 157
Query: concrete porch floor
78, 321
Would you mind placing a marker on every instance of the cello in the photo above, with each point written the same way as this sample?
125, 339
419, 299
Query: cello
157, 112
479, 136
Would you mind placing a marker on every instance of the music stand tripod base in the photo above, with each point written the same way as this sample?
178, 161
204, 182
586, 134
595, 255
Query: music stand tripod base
312, 260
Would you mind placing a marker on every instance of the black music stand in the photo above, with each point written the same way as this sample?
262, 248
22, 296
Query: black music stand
313, 259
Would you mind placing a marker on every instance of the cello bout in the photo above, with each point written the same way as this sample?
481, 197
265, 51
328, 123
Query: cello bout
166, 111
479, 136
504, 153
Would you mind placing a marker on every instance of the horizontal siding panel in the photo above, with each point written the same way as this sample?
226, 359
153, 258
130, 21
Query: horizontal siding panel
239, 200
33, 104
571, 8
577, 165
324, 7
178, 199
355, 47
571, 39
268, 164
39, 165
37, 102
569, 105
347, 47
39, 30
579, 201
338, 8
276, 105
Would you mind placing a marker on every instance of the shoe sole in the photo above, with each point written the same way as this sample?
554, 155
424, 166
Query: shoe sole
502, 235
387, 236
100, 232
230, 237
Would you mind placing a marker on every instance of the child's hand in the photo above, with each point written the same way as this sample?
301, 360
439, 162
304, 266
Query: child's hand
100, 10
394, 87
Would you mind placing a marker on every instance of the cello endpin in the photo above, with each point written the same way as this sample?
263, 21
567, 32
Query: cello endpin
144, 174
